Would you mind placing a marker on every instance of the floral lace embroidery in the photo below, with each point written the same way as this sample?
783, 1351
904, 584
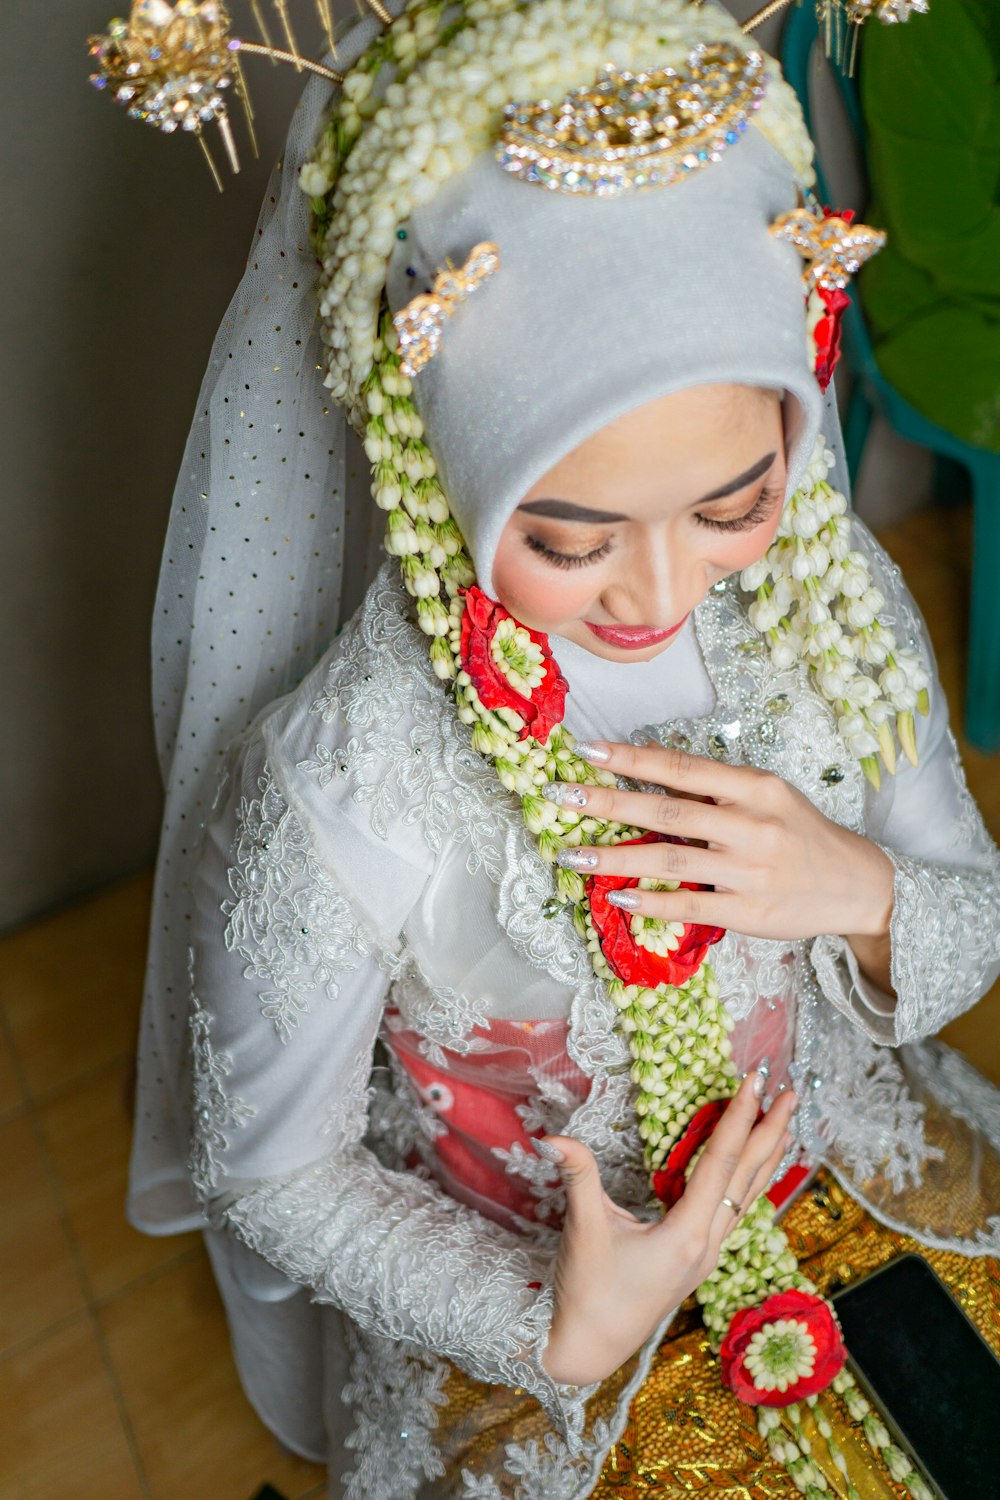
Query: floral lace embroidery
542, 1178
215, 1111
945, 941
288, 921
861, 1113
546, 1470
349, 1108
393, 1391
407, 1263
445, 1017
429, 774
969, 826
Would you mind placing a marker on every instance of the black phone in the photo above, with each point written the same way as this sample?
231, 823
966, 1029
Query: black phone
931, 1373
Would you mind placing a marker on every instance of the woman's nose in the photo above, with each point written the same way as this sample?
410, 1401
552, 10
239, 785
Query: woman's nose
661, 583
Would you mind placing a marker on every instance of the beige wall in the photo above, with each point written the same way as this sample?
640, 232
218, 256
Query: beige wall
120, 260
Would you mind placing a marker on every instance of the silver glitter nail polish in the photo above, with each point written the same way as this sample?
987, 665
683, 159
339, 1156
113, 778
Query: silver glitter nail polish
624, 900
547, 1151
577, 859
594, 751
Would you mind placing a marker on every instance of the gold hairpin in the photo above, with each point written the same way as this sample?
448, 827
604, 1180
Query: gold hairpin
833, 246
632, 131
173, 63
840, 21
420, 323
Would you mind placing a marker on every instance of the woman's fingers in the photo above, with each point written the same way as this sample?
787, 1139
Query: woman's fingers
747, 1186
695, 775
738, 1148
659, 861
658, 812
580, 1177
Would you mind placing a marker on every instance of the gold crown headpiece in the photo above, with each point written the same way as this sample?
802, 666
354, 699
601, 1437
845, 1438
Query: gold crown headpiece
633, 131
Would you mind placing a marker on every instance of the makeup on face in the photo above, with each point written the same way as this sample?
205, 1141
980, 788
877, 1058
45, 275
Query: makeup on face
632, 637
570, 512
621, 539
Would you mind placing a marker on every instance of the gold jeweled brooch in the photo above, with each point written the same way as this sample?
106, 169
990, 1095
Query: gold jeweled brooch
833, 247
632, 131
420, 323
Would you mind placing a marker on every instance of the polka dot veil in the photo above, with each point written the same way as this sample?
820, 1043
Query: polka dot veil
271, 542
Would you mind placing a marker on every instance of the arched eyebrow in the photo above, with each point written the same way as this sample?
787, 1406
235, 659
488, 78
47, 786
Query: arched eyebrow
565, 510
742, 480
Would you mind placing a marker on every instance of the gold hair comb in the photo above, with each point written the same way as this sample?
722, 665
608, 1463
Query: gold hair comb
632, 131
420, 323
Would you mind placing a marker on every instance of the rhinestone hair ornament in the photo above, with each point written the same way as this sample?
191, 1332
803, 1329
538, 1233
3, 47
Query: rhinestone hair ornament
172, 66
634, 131
419, 325
833, 247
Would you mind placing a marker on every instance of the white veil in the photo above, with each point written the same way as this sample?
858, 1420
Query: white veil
271, 542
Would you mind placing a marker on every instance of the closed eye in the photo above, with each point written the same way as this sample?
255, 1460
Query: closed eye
761, 510
569, 559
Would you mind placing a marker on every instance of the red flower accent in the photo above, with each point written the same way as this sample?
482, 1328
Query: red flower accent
626, 958
547, 704
826, 334
671, 1180
804, 1307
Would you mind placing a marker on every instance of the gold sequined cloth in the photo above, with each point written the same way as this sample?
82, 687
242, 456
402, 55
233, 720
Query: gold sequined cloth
686, 1434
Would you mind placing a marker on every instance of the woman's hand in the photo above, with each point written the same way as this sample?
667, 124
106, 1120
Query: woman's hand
616, 1278
776, 866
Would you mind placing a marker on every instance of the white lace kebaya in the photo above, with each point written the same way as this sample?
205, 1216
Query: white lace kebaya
364, 861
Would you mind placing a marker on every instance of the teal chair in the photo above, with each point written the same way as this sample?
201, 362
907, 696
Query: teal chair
872, 392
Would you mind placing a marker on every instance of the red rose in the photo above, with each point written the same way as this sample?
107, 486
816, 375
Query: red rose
811, 1320
626, 958
543, 709
671, 1180
826, 334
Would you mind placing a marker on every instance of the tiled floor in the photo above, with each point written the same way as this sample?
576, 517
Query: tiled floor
115, 1376
116, 1381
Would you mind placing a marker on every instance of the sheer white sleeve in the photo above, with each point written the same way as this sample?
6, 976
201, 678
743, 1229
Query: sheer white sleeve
289, 980
945, 927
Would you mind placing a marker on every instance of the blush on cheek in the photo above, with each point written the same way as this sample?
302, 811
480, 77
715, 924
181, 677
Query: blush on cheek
745, 547
542, 597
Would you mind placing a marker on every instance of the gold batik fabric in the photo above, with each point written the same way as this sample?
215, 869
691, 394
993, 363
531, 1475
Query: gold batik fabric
686, 1434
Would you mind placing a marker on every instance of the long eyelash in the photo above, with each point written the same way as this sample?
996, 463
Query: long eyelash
760, 510
568, 559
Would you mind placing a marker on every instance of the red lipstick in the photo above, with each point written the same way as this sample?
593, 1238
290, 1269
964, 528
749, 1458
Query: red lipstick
633, 637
